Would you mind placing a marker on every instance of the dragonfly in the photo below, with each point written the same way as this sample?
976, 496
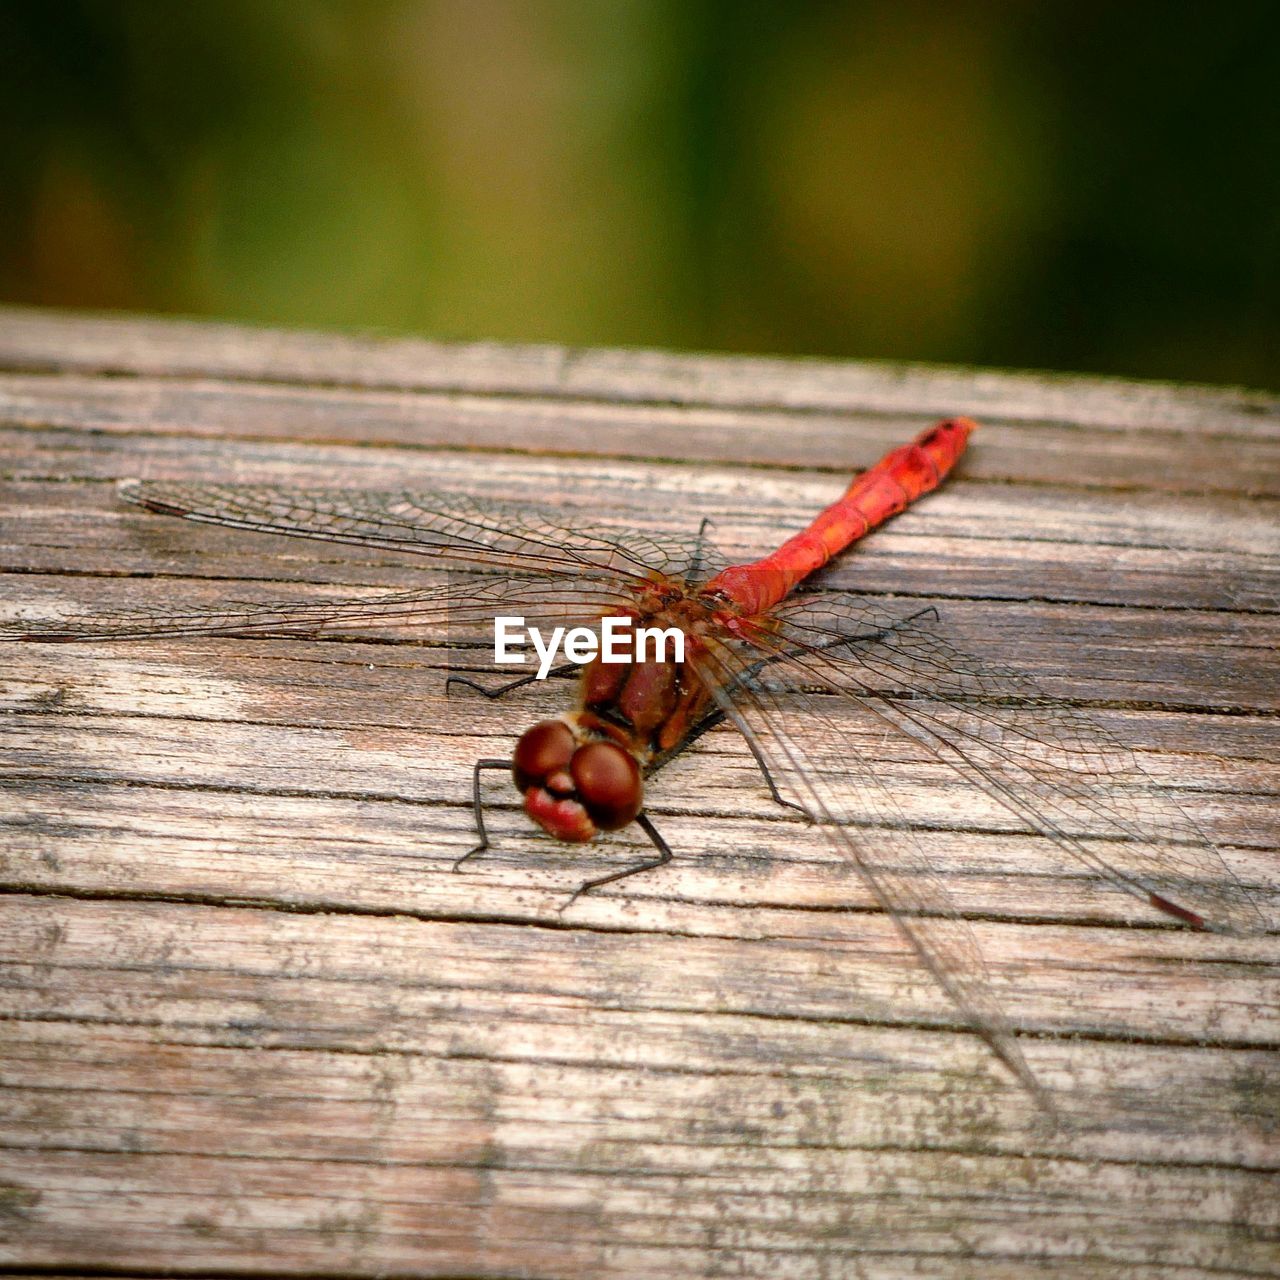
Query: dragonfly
803, 673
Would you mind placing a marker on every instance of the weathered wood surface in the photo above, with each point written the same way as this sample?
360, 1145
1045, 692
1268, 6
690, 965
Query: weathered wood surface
252, 1024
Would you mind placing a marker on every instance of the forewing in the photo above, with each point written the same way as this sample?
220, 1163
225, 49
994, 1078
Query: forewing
480, 558
453, 529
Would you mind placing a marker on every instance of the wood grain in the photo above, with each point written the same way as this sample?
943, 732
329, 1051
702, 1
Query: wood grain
252, 1023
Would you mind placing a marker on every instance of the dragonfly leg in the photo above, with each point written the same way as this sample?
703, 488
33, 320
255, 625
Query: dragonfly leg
478, 807
568, 669
717, 716
769, 782
886, 631
695, 565
651, 864
709, 721
867, 637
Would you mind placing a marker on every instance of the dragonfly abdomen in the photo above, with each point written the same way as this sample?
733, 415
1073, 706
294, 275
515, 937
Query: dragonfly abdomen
896, 481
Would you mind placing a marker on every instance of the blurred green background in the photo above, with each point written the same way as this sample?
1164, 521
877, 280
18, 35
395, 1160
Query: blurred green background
1090, 186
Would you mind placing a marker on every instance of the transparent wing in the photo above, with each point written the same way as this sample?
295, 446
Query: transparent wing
1053, 766
481, 557
458, 609
807, 753
452, 529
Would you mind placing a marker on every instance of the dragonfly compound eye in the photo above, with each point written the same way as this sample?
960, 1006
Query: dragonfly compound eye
542, 752
608, 783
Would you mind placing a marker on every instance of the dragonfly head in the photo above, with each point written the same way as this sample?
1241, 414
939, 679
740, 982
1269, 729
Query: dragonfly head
574, 790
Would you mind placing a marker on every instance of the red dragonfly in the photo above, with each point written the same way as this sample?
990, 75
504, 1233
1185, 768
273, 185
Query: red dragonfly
802, 675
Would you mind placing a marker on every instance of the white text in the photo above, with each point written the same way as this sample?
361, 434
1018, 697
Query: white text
619, 640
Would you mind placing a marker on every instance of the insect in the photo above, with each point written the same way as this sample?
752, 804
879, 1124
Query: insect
809, 678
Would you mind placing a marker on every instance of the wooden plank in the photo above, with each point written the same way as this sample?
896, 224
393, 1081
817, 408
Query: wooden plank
251, 1021
1030, 452
136, 345
993, 539
279, 1071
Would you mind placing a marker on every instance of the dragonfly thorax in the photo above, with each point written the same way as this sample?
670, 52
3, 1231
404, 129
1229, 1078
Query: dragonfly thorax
583, 773
574, 787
